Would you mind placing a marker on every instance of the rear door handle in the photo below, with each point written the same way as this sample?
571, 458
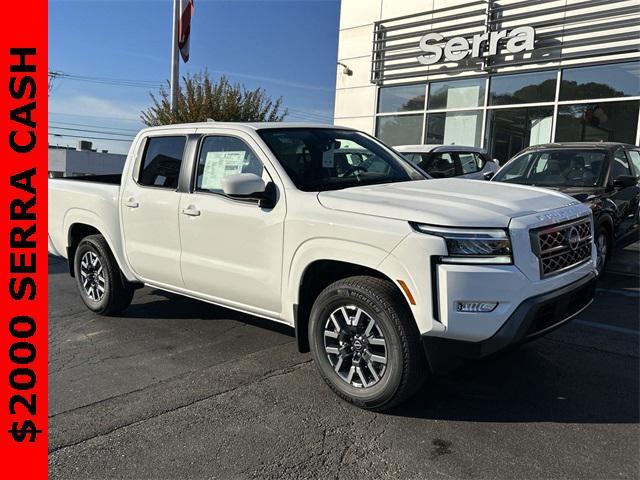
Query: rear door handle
190, 211
131, 203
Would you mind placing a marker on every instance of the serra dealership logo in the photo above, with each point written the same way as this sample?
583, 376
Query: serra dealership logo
518, 40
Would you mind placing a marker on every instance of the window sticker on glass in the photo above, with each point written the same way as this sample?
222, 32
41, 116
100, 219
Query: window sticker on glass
219, 165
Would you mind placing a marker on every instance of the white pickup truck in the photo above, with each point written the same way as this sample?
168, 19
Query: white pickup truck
384, 275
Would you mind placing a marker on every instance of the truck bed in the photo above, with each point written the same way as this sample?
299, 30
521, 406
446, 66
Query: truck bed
91, 200
113, 179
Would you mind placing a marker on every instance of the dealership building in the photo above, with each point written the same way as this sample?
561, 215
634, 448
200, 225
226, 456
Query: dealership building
498, 74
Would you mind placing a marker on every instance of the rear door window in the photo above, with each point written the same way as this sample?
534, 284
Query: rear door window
620, 165
161, 162
470, 162
634, 155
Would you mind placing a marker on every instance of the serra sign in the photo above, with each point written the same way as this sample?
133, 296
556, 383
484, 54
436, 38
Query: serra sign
519, 39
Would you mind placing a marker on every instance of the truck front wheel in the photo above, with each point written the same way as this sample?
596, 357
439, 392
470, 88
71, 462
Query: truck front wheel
365, 343
101, 285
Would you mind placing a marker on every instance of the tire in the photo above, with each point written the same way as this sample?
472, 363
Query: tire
603, 248
393, 337
100, 282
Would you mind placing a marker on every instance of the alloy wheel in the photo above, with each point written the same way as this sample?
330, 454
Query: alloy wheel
601, 251
355, 346
92, 276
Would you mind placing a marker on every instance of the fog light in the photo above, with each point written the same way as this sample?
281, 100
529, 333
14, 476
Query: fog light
476, 307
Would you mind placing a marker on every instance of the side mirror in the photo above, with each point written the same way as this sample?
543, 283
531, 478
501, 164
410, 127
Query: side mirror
489, 175
250, 186
624, 181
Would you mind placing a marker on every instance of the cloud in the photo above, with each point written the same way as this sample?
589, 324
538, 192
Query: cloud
95, 107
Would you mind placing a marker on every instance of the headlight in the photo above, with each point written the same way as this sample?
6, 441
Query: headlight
472, 245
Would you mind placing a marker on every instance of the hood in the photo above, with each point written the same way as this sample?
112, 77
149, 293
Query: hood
447, 202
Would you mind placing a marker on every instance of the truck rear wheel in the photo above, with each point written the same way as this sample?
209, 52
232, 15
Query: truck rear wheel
365, 343
100, 282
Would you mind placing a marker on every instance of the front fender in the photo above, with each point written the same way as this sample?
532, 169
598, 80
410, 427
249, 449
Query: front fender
315, 249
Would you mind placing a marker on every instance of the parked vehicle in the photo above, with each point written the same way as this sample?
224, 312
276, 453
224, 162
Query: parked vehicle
446, 161
384, 274
602, 175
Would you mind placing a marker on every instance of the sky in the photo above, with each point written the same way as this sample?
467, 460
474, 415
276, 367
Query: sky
287, 47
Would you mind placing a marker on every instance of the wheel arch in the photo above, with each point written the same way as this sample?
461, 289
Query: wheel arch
79, 224
319, 274
605, 221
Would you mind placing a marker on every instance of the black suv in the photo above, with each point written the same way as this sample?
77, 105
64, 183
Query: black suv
603, 175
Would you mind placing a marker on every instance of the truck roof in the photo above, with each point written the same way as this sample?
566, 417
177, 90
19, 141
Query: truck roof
427, 148
592, 144
245, 126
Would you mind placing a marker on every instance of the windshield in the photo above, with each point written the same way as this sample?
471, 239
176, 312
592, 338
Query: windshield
555, 168
318, 159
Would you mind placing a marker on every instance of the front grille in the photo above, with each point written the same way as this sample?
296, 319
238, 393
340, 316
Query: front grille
562, 246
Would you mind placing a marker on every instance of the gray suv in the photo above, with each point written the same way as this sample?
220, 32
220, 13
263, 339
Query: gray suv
446, 161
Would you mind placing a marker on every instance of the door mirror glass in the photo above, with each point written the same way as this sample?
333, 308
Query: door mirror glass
624, 181
243, 185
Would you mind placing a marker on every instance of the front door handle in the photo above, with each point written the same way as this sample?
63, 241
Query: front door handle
131, 203
191, 211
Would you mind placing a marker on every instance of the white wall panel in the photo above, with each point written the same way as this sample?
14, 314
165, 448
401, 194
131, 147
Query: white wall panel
365, 124
355, 102
355, 13
397, 8
355, 42
361, 73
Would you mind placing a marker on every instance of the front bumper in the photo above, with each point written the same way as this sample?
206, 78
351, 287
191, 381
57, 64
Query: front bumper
533, 317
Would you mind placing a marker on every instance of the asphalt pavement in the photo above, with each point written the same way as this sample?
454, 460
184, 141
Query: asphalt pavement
177, 388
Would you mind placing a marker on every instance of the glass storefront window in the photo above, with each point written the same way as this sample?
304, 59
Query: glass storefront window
403, 98
457, 128
602, 81
606, 121
456, 94
399, 129
510, 130
523, 88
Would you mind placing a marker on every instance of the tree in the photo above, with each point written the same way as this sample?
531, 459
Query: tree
200, 98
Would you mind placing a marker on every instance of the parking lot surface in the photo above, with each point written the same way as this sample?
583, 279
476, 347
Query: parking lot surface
181, 389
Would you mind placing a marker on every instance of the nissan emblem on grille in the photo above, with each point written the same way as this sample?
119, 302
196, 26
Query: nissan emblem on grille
562, 246
573, 238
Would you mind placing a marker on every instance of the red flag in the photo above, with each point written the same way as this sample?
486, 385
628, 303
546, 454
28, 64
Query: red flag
184, 28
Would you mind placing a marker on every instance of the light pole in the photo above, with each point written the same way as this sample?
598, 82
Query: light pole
175, 59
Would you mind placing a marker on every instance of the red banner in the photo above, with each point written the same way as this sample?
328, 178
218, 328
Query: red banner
23, 240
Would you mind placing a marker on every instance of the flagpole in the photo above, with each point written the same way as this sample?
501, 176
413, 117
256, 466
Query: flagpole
175, 60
